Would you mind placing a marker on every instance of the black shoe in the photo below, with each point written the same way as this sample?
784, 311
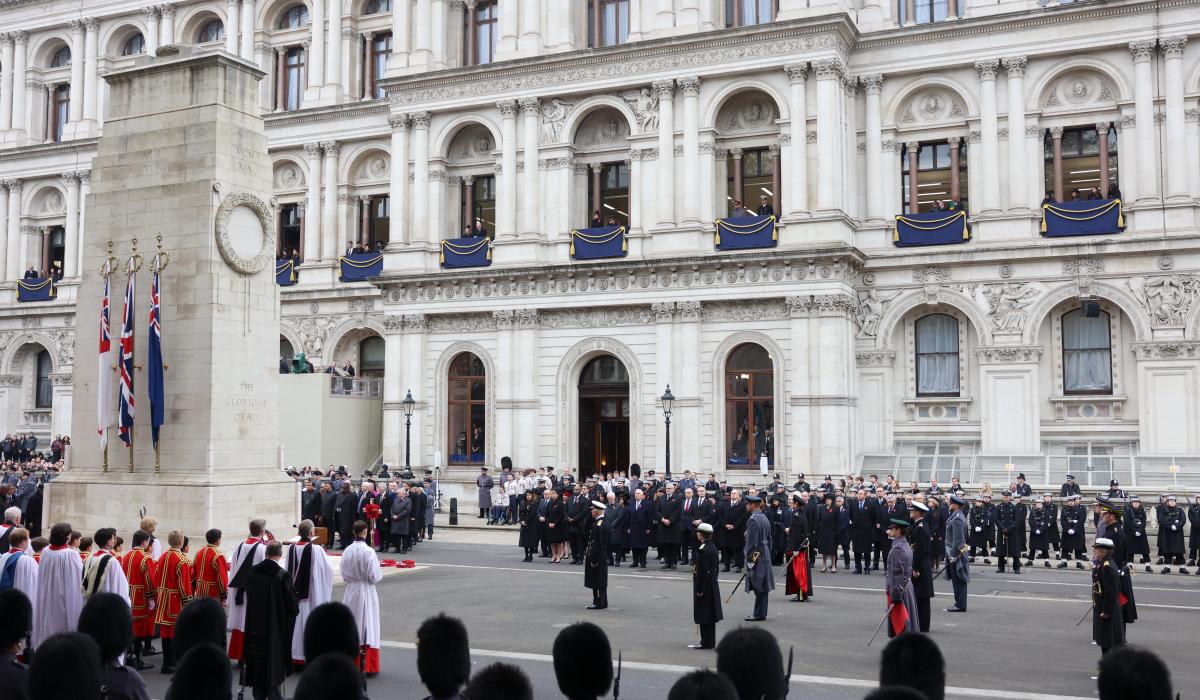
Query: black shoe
643, 565
1191, 562
1028, 562
1159, 562
738, 569
141, 665
698, 646
987, 561
167, 670
999, 571
796, 598
726, 568
1183, 571
971, 560
1165, 570
1058, 556
1046, 564
751, 618
1149, 569
955, 610
594, 607
150, 651
858, 571
1078, 565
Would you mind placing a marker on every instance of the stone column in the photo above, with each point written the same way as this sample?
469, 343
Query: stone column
1056, 133
316, 49
351, 46
1142, 53
507, 19
506, 214
150, 37
393, 390
422, 29
664, 374
85, 189
329, 229
312, 205
989, 135
246, 46
401, 33
691, 148
526, 339
795, 203
664, 15
665, 171
437, 203
166, 30
531, 30
635, 20
872, 86
688, 386
13, 267
91, 73
739, 184
850, 147
334, 50
1102, 134
530, 111
420, 198
77, 62
3, 229
1192, 129
1172, 49
233, 24
6, 81
914, 195
637, 181
20, 39
1017, 189
954, 142
830, 157
71, 239
707, 175
398, 184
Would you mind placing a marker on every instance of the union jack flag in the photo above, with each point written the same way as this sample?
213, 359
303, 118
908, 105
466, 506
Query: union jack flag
104, 378
125, 430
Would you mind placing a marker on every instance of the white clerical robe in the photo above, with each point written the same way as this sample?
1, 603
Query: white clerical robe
237, 612
320, 589
360, 571
25, 574
113, 580
59, 594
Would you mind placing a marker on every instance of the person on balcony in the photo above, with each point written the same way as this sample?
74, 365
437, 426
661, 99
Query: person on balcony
596, 221
738, 210
31, 274
479, 231
612, 221
764, 207
1094, 194
939, 205
1075, 195
1049, 199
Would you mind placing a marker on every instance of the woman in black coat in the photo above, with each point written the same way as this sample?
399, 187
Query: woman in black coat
827, 532
527, 517
618, 518
843, 536
556, 528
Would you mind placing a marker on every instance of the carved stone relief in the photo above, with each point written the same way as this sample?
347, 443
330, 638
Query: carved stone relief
1008, 304
1167, 298
472, 143
747, 113
605, 127
933, 105
288, 177
1080, 88
644, 103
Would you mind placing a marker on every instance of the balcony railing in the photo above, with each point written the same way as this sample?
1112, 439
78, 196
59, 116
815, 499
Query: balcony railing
355, 387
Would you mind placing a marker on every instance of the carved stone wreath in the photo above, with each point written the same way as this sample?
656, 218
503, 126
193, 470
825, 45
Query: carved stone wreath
245, 266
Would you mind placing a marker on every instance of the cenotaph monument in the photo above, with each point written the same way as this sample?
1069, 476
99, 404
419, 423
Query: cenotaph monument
183, 156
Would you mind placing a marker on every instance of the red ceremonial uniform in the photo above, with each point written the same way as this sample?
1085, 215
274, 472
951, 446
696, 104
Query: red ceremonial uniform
173, 581
139, 569
211, 570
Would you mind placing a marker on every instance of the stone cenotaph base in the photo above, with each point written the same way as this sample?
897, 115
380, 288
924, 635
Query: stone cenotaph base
184, 156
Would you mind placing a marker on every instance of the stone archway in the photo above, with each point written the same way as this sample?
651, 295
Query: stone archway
567, 396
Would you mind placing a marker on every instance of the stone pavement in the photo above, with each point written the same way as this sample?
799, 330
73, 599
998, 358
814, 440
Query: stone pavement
1019, 639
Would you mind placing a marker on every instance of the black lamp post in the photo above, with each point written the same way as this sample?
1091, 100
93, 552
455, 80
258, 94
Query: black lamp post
667, 400
409, 405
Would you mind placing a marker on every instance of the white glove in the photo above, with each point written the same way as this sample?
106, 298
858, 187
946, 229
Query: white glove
1037, 532
1070, 532
1137, 534
1174, 527
978, 529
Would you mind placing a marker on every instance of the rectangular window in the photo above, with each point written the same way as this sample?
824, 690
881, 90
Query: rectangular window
481, 33
289, 229
608, 22
381, 48
293, 79
746, 13
60, 110
380, 220
936, 186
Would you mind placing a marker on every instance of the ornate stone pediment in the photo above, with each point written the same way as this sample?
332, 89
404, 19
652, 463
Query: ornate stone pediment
1008, 354
1174, 350
1080, 89
288, 176
473, 143
933, 105
875, 358
748, 113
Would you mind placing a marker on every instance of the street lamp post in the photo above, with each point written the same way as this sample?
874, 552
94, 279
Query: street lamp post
409, 405
667, 400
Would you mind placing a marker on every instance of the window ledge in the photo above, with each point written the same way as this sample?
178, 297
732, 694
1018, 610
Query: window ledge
1105, 407
937, 408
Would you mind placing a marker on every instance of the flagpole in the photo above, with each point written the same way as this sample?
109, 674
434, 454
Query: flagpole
106, 269
132, 267
158, 263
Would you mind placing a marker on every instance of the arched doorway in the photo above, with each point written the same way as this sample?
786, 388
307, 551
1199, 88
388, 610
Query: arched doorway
603, 416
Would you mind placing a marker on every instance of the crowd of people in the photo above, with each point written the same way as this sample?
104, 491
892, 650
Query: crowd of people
68, 587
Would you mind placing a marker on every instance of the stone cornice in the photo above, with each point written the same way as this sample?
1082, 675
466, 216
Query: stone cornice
42, 150
827, 268
1167, 350
341, 112
632, 64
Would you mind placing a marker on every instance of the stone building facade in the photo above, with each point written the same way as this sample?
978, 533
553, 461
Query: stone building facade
395, 123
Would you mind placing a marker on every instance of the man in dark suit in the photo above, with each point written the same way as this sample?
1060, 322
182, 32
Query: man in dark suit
764, 207
577, 514
384, 524
271, 611
640, 524
310, 502
670, 526
328, 512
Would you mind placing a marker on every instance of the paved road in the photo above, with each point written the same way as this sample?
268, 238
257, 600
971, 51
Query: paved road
1019, 639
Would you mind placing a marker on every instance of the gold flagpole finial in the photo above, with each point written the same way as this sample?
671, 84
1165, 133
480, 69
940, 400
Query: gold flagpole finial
161, 258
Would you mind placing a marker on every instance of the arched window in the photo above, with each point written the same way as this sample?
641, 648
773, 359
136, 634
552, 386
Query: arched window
749, 406
61, 58
212, 31
376, 6
135, 45
937, 355
45, 389
295, 17
467, 403
1087, 353
370, 357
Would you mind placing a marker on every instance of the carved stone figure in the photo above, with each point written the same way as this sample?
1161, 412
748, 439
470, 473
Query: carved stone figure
554, 116
869, 312
1009, 304
1167, 298
313, 332
644, 104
